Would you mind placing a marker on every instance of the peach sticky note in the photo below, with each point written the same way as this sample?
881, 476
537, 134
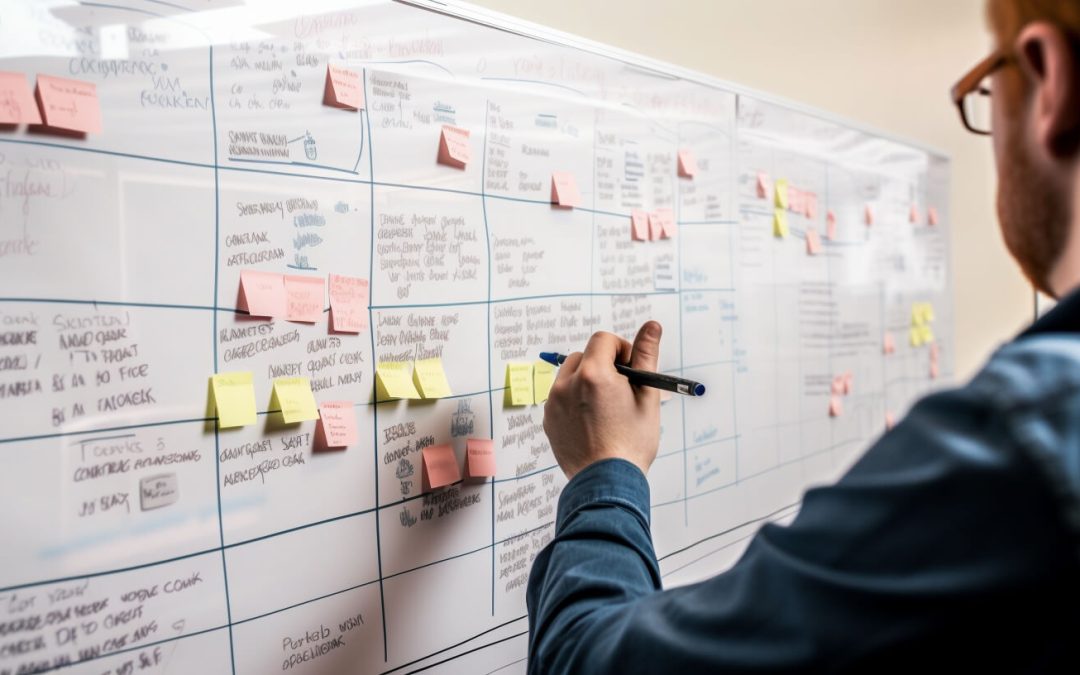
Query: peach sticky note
430, 378
931, 216
837, 387
234, 399
480, 457
687, 164
836, 406
343, 88
934, 353
779, 223
543, 378
934, 370
849, 379
392, 381
17, 105
811, 205
662, 224
795, 199
888, 344
868, 215
304, 298
813, 241
519, 383
913, 214
337, 424
781, 193
564, 189
440, 466
71, 105
890, 421
262, 293
830, 225
764, 185
293, 397
639, 225
348, 304
454, 148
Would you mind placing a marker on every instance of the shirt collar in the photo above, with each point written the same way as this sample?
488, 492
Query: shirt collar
1063, 318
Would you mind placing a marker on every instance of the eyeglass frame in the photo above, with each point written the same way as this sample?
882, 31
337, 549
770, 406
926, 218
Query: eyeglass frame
969, 84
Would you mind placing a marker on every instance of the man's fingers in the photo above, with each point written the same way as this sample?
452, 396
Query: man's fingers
646, 351
569, 367
601, 352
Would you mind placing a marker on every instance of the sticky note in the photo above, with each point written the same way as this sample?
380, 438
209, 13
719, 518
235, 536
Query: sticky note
639, 225
779, 223
795, 199
543, 378
480, 457
764, 185
564, 190
811, 205
888, 344
934, 371
928, 312
17, 105
454, 148
304, 298
849, 380
927, 334
837, 387
348, 304
234, 399
915, 336
392, 381
430, 378
931, 216
781, 193
662, 223
293, 397
830, 225
337, 424
836, 406
868, 215
262, 293
687, 164
813, 242
519, 383
343, 88
440, 466
913, 214
934, 352
890, 421
71, 105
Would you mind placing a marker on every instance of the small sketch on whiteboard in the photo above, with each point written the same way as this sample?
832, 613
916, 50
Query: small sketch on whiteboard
158, 491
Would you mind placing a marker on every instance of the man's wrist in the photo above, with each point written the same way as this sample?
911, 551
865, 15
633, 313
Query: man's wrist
613, 481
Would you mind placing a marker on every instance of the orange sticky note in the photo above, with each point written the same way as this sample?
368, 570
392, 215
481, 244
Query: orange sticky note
888, 344
454, 148
304, 298
343, 88
564, 190
17, 105
687, 164
913, 215
764, 185
262, 294
836, 406
830, 225
337, 424
440, 466
931, 216
662, 224
813, 241
639, 225
480, 457
69, 104
868, 215
348, 304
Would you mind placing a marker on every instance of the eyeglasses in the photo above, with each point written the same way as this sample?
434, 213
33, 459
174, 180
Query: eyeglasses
972, 93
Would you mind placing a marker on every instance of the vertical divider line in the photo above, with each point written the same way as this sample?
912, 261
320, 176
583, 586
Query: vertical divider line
677, 195
736, 214
487, 306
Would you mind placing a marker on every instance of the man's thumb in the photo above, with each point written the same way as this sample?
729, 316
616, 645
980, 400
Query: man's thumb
646, 351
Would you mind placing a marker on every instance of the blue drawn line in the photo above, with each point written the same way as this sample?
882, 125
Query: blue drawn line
290, 163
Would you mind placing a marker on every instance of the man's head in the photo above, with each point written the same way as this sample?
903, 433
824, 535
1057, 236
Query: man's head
1035, 118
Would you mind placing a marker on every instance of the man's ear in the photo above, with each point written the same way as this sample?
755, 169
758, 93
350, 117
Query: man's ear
1047, 58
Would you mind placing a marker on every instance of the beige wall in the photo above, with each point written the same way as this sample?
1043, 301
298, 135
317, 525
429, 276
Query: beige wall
886, 63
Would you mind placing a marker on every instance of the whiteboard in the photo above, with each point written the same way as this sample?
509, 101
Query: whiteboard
120, 256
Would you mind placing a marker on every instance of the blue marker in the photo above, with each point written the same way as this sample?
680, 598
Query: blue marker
643, 378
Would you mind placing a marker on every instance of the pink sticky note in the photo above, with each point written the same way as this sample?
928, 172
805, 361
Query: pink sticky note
837, 388
931, 216
934, 353
830, 225
888, 344
337, 424
764, 185
440, 466
868, 215
890, 421
304, 298
262, 293
813, 241
687, 164
17, 105
795, 199
849, 379
564, 190
811, 205
836, 406
348, 304
913, 215
639, 225
662, 224
454, 148
480, 457
71, 105
343, 88
934, 370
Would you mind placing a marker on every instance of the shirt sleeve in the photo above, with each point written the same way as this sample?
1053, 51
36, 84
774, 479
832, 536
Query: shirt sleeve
933, 544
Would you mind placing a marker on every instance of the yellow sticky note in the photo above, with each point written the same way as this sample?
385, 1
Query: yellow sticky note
430, 378
392, 381
293, 397
779, 223
928, 312
543, 378
780, 189
927, 334
915, 336
234, 399
519, 382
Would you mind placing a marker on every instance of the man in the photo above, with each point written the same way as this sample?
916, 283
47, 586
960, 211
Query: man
953, 543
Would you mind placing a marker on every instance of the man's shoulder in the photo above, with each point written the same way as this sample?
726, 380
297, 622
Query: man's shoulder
1032, 374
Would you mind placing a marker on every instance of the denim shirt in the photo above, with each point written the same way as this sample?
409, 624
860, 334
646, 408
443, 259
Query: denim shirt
954, 542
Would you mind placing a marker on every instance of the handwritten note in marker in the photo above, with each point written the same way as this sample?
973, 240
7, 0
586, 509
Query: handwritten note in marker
662, 222
71, 105
430, 378
348, 304
262, 294
293, 397
337, 424
304, 298
480, 457
343, 88
813, 241
830, 225
687, 164
781, 193
519, 383
564, 190
454, 148
779, 223
234, 399
836, 406
543, 378
639, 225
440, 466
17, 105
392, 381
764, 185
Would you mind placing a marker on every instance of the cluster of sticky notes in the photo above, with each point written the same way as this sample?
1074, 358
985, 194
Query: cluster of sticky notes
301, 298
427, 380
58, 103
922, 315
841, 387
337, 425
788, 198
528, 383
454, 148
233, 399
687, 164
564, 190
441, 466
652, 225
343, 89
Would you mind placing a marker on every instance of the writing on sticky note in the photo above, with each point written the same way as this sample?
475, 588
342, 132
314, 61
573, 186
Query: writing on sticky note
343, 88
764, 185
17, 105
293, 397
830, 225
480, 457
780, 191
337, 424
639, 225
543, 378
234, 399
430, 378
836, 406
71, 105
564, 190
348, 304
662, 223
454, 148
304, 298
779, 223
519, 383
813, 241
262, 294
392, 381
687, 164
440, 466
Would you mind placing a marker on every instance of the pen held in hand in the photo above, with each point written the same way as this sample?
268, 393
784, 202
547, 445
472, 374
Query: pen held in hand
643, 378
